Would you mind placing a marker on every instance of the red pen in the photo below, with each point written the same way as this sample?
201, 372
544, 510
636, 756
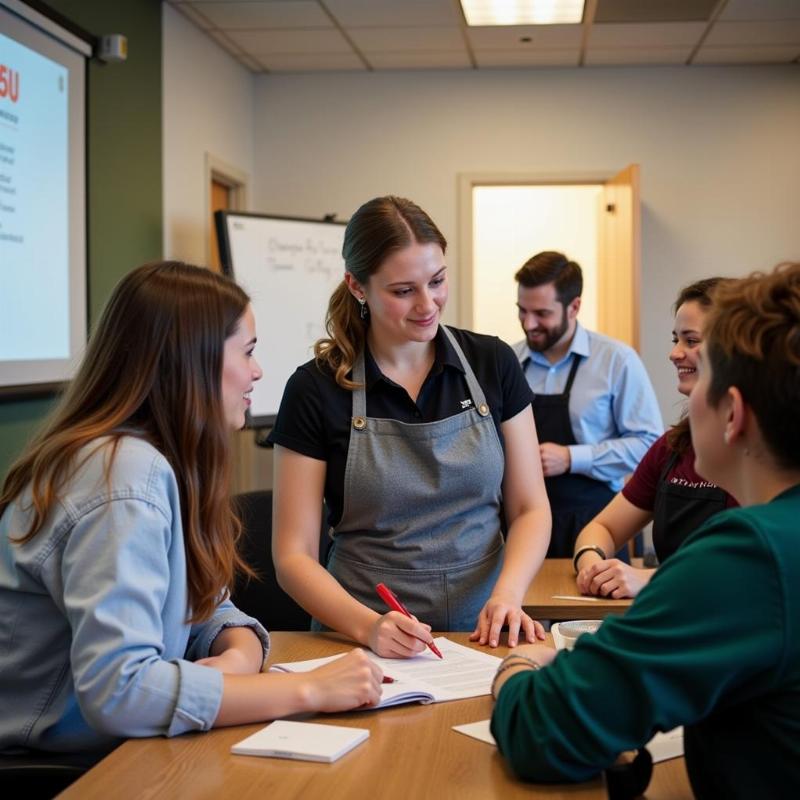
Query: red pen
389, 597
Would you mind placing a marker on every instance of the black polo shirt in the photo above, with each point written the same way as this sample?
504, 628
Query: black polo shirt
315, 414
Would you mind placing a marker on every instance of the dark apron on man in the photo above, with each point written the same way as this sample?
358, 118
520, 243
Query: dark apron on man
422, 509
574, 499
679, 510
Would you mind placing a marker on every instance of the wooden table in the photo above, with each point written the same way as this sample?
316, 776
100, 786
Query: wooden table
411, 753
557, 577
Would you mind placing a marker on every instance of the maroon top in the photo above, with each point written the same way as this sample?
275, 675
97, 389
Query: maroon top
641, 488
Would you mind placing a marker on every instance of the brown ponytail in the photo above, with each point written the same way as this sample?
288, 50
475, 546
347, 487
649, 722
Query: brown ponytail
381, 226
346, 332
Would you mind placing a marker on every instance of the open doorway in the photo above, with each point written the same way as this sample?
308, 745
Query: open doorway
593, 218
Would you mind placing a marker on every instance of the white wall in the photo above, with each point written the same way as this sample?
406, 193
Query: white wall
717, 146
208, 108
512, 223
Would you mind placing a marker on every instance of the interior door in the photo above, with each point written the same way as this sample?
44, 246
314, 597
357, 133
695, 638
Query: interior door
619, 257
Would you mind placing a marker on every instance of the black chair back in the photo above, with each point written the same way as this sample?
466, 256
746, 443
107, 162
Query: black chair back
41, 776
263, 597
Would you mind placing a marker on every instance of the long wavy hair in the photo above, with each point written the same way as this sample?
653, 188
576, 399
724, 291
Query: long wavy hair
380, 227
679, 437
153, 369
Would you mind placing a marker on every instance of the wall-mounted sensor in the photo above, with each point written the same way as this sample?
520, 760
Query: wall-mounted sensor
113, 47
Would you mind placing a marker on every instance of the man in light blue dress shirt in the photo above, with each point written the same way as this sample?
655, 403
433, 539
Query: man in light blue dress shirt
595, 409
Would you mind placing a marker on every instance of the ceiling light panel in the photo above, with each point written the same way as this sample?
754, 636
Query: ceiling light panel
522, 12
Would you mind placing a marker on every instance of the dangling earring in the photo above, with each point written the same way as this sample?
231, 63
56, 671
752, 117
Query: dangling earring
726, 437
363, 310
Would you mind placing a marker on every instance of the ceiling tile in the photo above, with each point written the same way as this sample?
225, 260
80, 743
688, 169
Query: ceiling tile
276, 14
499, 37
760, 9
441, 59
375, 40
311, 62
531, 58
299, 35
660, 34
638, 55
654, 10
748, 54
393, 13
311, 40
752, 33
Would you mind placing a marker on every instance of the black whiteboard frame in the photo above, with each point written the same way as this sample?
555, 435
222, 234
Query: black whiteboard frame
226, 262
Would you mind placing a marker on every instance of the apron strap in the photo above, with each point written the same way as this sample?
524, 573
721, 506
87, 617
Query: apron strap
671, 461
360, 392
576, 362
478, 397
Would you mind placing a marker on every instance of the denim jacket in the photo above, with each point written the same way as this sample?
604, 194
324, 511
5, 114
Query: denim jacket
94, 643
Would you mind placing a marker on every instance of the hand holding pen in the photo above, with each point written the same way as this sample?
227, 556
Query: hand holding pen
400, 636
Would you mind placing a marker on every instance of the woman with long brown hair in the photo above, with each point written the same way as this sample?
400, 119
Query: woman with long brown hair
665, 488
421, 440
711, 643
118, 540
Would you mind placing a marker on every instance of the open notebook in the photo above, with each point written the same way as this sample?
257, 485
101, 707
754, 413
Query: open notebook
463, 672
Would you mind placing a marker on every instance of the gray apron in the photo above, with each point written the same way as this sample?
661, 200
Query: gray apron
421, 510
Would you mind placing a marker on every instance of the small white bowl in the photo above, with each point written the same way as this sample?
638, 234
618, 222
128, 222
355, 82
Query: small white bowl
570, 631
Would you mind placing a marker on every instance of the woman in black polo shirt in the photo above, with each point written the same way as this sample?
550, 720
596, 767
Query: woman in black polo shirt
420, 438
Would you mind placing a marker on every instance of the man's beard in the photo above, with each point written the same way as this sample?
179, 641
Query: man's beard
550, 338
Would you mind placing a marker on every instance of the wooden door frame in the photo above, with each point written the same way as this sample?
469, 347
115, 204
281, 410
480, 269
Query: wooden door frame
237, 182
467, 181
620, 276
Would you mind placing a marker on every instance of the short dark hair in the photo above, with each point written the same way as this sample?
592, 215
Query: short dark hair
698, 292
552, 267
752, 341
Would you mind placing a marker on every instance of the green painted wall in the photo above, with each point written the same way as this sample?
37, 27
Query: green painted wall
125, 218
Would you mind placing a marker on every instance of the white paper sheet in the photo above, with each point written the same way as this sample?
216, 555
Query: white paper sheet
662, 746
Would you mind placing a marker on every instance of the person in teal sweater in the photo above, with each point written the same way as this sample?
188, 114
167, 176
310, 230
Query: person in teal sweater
713, 641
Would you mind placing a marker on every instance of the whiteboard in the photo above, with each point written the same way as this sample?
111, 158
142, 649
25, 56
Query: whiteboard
289, 267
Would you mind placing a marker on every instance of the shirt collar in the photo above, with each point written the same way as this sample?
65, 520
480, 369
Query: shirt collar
445, 356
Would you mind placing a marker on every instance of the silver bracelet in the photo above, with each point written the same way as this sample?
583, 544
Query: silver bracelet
585, 549
509, 663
